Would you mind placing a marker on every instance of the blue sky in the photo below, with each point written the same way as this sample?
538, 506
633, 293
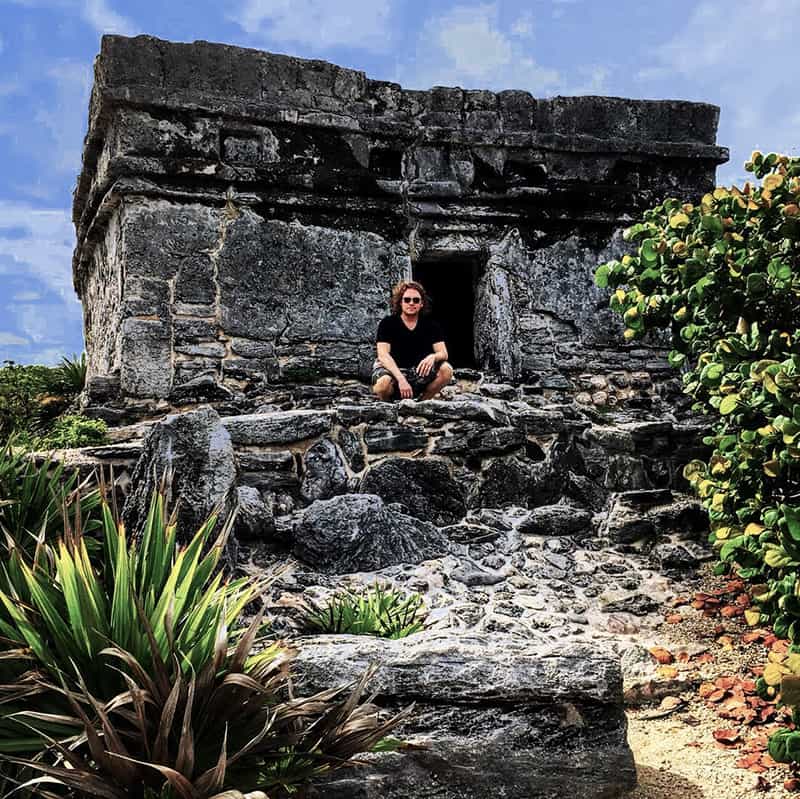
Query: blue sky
739, 54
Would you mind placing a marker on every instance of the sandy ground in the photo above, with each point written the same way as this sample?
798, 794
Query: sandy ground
676, 755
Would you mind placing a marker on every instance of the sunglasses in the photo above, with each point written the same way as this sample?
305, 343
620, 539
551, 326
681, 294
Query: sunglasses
413, 300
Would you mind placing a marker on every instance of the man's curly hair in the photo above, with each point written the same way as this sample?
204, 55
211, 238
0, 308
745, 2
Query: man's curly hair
400, 289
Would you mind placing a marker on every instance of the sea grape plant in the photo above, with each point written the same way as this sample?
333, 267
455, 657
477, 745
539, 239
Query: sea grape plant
723, 275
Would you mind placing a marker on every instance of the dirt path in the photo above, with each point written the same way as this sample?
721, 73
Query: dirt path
673, 743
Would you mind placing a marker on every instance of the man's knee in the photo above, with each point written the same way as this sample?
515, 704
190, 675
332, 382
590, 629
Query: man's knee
445, 372
384, 387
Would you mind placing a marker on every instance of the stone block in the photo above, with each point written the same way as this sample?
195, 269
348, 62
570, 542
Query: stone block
544, 705
423, 486
357, 532
351, 415
146, 358
271, 461
386, 438
277, 428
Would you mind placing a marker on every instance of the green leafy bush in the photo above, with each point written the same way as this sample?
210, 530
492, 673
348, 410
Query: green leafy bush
377, 611
724, 276
72, 431
31, 397
28, 398
134, 674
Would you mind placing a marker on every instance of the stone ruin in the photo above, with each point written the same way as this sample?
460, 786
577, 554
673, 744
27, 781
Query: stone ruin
241, 217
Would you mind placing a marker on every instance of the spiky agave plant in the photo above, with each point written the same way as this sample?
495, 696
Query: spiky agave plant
71, 374
129, 677
33, 499
232, 725
377, 610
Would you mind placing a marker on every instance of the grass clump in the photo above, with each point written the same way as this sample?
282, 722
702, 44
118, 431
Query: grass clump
377, 610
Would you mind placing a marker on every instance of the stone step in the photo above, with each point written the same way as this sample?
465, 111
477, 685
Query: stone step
493, 715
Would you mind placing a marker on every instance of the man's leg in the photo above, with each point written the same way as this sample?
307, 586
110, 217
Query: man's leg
443, 377
384, 387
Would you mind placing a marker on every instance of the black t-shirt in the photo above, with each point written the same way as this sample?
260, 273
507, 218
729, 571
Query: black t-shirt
409, 347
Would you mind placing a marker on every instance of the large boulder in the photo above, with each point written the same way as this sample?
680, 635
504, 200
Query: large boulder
359, 532
494, 716
424, 486
194, 453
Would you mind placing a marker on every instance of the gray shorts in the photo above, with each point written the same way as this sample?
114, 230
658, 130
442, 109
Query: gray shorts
416, 382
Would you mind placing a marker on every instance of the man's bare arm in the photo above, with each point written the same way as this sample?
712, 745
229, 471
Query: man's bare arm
440, 351
439, 355
387, 362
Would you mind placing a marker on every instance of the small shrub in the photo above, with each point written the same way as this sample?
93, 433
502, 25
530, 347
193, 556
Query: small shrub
71, 374
22, 391
34, 498
377, 611
73, 431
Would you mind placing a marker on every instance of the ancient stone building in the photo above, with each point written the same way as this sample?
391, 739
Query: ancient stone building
242, 215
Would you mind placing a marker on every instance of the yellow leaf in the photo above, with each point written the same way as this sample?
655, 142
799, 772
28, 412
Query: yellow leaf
754, 529
678, 220
776, 657
752, 616
793, 662
772, 468
773, 674
722, 533
620, 294
720, 193
718, 501
772, 182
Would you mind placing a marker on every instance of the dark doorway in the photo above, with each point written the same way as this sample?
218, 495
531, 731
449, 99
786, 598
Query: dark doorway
450, 283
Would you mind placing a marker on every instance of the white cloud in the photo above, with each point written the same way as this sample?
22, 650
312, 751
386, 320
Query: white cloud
466, 47
12, 340
523, 26
36, 250
65, 117
594, 80
105, 20
41, 245
96, 13
362, 24
743, 60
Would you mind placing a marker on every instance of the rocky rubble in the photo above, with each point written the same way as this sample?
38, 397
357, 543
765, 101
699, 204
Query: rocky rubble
527, 527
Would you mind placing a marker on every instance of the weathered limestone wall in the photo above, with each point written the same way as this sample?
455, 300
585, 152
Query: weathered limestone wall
242, 215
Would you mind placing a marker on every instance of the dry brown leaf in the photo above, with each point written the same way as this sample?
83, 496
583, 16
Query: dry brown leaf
663, 656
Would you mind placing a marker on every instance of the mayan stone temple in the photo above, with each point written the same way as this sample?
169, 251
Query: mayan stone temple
241, 217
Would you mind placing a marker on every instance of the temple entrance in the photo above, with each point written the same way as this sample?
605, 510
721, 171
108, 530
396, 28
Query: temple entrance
450, 281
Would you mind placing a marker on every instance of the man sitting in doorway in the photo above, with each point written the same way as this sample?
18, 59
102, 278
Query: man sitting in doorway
412, 354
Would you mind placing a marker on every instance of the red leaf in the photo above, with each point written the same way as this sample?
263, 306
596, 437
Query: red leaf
727, 737
663, 656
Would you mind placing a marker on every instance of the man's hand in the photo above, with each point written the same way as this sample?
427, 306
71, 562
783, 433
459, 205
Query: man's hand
406, 392
425, 365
